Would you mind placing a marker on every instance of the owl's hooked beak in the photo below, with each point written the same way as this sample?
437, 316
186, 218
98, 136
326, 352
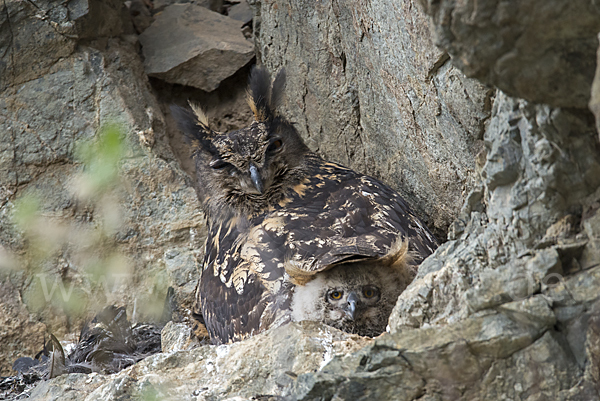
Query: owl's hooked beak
353, 301
255, 177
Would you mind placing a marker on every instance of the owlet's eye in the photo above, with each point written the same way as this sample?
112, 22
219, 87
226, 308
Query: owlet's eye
335, 295
370, 292
218, 164
275, 145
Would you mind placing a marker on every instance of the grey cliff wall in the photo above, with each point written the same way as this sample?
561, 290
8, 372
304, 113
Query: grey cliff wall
491, 136
534, 49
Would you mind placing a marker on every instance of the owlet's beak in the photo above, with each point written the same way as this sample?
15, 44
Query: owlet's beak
352, 306
255, 177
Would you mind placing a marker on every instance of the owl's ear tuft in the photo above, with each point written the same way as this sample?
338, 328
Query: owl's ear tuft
277, 89
193, 123
264, 96
200, 115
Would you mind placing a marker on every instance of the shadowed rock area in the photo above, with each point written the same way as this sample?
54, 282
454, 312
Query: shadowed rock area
538, 50
489, 137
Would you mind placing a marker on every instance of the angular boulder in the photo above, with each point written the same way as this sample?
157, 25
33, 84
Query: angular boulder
191, 45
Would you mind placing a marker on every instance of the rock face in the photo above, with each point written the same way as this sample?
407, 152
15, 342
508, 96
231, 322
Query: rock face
537, 50
479, 358
507, 308
25, 26
530, 191
190, 45
513, 294
367, 88
64, 96
595, 96
19, 332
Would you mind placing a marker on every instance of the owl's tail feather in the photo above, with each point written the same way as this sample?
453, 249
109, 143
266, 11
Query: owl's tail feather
298, 275
398, 256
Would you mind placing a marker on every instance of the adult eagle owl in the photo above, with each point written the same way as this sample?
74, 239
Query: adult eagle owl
293, 236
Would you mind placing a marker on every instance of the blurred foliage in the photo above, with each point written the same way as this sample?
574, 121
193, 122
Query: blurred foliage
101, 159
150, 392
72, 261
26, 211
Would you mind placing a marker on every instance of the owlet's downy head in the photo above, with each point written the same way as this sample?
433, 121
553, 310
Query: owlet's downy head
354, 297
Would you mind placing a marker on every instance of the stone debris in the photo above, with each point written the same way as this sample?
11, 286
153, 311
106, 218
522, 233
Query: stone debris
265, 364
189, 45
176, 337
241, 12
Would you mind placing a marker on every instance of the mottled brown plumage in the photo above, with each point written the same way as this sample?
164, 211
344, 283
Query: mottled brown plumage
279, 215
